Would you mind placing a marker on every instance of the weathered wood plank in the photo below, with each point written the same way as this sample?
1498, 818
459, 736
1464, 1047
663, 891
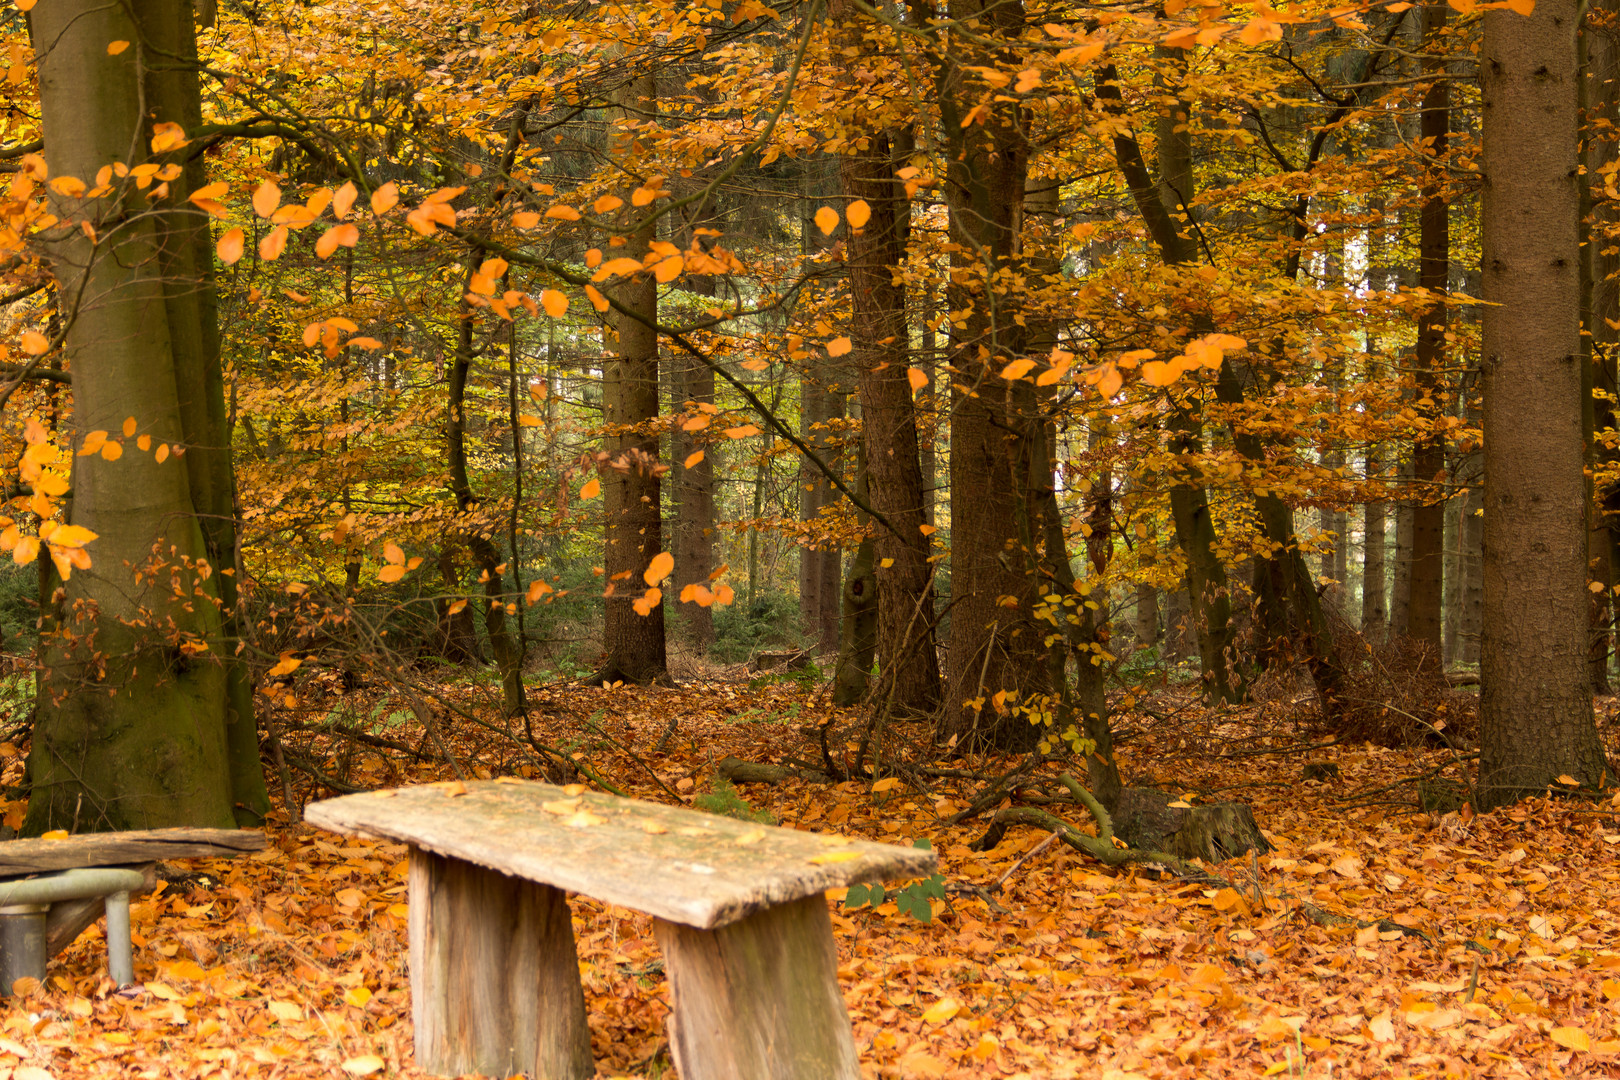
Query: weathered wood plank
679, 865
20, 857
758, 999
494, 976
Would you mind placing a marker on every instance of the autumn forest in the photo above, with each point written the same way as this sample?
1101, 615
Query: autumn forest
1159, 458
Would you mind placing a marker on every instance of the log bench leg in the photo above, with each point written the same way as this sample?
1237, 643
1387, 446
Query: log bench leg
494, 976
759, 999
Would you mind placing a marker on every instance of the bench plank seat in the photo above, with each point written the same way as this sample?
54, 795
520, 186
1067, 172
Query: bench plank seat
738, 911
38, 856
695, 869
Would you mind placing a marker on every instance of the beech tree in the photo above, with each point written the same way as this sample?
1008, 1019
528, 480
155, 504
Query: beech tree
144, 716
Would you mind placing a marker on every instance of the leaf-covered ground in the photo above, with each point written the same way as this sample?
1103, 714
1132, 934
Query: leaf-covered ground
291, 963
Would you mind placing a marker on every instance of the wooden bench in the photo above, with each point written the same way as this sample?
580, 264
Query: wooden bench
738, 910
47, 899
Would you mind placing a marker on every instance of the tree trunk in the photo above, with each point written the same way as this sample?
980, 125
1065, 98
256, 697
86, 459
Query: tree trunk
907, 658
139, 727
997, 660
1425, 598
633, 644
1400, 599
1536, 721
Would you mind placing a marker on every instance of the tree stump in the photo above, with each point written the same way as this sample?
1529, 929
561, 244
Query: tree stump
758, 999
494, 976
1144, 818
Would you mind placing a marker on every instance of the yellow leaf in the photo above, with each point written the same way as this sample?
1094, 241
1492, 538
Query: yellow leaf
917, 377
391, 573
888, 783
886, 563
591, 490
1572, 1038
839, 346
835, 857
365, 1064
661, 566
71, 536
166, 137
230, 247
555, 303
55, 834
942, 1010
693, 458
858, 213
826, 220
357, 996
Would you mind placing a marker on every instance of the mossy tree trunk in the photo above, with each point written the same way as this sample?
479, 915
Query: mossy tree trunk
145, 718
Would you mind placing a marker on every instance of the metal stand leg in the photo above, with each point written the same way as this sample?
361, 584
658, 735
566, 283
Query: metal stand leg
120, 957
22, 943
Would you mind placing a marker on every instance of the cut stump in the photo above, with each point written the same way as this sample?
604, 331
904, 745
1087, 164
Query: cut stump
758, 999
1215, 832
494, 976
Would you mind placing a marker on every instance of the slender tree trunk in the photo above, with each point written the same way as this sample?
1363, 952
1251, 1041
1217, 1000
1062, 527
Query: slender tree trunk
139, 727
1536, 720
1400, 601
904, 577
1424, 615
633, 643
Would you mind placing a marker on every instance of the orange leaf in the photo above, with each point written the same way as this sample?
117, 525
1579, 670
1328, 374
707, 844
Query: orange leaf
839, 346
390, 574
344, 200
393, 554
273, 244
826, 220
659, 569
693, 458
591, 490
917, 377
555, 303
385, 198
1572, 1038
266, 199
230, 247
34, 343
857, 213
742, 432
648, 601
116, 47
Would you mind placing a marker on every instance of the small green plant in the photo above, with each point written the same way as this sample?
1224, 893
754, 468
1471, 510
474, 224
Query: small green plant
767, 716
911, 899
723, 799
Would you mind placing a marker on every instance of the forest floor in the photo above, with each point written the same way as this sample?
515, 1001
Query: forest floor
292, 963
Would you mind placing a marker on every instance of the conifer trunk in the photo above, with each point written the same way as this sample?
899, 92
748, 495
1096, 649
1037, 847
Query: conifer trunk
1536, 719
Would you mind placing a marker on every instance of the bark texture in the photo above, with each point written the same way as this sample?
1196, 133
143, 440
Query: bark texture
145, 719
1536, 721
